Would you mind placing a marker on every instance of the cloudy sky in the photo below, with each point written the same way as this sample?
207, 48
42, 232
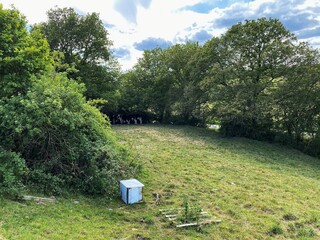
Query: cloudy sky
137, 25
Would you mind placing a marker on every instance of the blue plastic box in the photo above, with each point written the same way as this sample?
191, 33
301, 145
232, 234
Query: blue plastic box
131, 191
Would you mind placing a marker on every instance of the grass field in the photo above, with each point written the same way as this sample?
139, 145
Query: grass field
258, 190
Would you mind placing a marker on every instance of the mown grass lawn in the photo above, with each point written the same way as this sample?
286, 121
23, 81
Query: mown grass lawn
258, 190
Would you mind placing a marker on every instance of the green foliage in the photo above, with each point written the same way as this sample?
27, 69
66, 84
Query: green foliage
186, 93
297, 105
41, 181
185, 209
145, 88
80, 38
108, 166
59, 135
12, 171
46, 125
160, 84
102, 82
21, 53
250, 58
199, 67
255, 81
84, 42
191, 211
311, 146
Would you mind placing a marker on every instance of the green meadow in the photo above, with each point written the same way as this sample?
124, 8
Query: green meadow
258, 191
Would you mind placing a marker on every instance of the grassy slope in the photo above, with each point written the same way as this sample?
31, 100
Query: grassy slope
258, 190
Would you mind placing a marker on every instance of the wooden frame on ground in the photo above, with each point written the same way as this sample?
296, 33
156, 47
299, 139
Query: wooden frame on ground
175, 216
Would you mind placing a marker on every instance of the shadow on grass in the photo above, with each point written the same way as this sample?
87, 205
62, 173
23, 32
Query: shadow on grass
271, 155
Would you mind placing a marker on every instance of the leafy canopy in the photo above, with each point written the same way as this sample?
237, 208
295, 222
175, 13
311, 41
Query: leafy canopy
21, 54
84, 42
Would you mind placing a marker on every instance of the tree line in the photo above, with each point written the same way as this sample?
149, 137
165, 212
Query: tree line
256, 80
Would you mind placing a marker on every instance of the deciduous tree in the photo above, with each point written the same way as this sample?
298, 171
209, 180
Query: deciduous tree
85, 44
21, 54
252, 56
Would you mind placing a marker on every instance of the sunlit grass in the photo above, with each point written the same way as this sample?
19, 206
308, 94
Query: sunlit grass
258, 190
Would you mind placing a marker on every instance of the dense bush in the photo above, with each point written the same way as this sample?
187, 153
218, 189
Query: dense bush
12, 170
249, 128
65, 142
107, 167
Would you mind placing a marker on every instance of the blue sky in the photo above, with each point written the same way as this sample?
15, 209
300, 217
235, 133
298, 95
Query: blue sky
137, 25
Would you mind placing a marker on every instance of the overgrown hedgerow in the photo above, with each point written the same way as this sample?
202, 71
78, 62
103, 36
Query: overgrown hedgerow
66, 142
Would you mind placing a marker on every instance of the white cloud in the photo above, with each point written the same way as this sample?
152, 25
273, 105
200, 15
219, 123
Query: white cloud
308, 3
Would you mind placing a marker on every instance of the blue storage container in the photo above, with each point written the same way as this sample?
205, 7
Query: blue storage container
131, 191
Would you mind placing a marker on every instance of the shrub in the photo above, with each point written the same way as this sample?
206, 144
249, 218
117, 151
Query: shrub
311, 147
45, 182
66, 142
247, 128
108, 166
12, 169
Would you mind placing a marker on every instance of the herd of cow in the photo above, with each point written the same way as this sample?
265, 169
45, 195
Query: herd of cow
126, 119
